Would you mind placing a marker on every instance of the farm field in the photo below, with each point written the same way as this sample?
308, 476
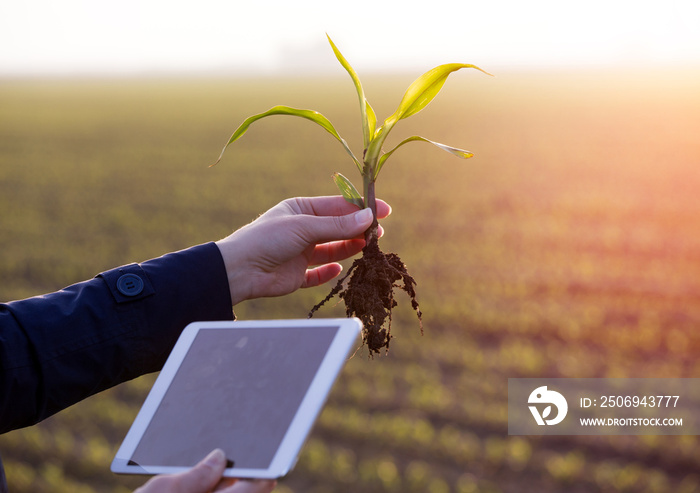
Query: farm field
569, 246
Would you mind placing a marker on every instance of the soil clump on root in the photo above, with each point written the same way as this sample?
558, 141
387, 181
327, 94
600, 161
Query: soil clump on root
369, 294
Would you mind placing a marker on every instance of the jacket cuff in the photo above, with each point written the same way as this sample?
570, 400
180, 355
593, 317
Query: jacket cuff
163, 295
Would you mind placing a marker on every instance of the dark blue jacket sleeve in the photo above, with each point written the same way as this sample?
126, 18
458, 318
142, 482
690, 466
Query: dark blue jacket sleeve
60, 348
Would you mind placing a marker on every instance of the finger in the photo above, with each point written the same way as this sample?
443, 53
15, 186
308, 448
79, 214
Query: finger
315, 229
335, 251
332, 206
383, 209
205, 475
225, 483
321, 274
252, 486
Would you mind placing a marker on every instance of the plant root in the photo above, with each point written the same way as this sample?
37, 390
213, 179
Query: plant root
369, 294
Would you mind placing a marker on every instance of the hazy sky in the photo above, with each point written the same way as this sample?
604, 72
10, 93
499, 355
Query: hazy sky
152, 36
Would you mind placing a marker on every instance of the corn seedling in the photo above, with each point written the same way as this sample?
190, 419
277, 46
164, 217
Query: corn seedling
369, 292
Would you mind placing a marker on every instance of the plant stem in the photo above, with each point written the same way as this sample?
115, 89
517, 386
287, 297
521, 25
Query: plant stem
372, 234
371, 158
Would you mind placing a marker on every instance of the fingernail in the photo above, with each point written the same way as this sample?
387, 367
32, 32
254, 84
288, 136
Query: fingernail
364, 216
215, 458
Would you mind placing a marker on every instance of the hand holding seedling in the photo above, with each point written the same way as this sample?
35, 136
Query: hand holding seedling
369, 294
271, 256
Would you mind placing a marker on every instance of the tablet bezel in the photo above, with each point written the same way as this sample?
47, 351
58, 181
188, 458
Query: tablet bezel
348, 330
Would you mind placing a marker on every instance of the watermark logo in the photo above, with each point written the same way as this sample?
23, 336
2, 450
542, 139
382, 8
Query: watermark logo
603, 406
543, 396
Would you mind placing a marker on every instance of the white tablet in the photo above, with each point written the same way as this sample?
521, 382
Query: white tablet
253, 389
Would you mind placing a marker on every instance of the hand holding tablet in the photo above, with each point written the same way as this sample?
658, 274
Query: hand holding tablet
253, 389
204, 478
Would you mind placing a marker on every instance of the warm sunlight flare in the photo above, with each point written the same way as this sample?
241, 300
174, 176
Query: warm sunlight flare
132, 37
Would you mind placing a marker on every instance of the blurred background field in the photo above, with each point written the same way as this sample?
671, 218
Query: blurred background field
568, 246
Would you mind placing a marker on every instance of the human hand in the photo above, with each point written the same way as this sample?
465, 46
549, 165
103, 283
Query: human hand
205, 477
271, 256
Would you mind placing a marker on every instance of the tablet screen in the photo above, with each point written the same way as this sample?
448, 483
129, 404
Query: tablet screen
238, 390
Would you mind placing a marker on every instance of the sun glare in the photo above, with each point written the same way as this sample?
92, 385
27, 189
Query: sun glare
79, 36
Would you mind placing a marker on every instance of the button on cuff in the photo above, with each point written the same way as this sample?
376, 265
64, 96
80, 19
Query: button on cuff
130, 285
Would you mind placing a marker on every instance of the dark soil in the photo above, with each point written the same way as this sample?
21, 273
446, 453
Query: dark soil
369, 294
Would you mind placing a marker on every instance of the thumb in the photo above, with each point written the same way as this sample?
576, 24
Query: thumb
204, 476
330, 228
359, 221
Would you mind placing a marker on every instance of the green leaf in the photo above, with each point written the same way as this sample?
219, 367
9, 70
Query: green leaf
348, 190
311, 115
371, 122
369, 119
418, 95
453, 150
424, 89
